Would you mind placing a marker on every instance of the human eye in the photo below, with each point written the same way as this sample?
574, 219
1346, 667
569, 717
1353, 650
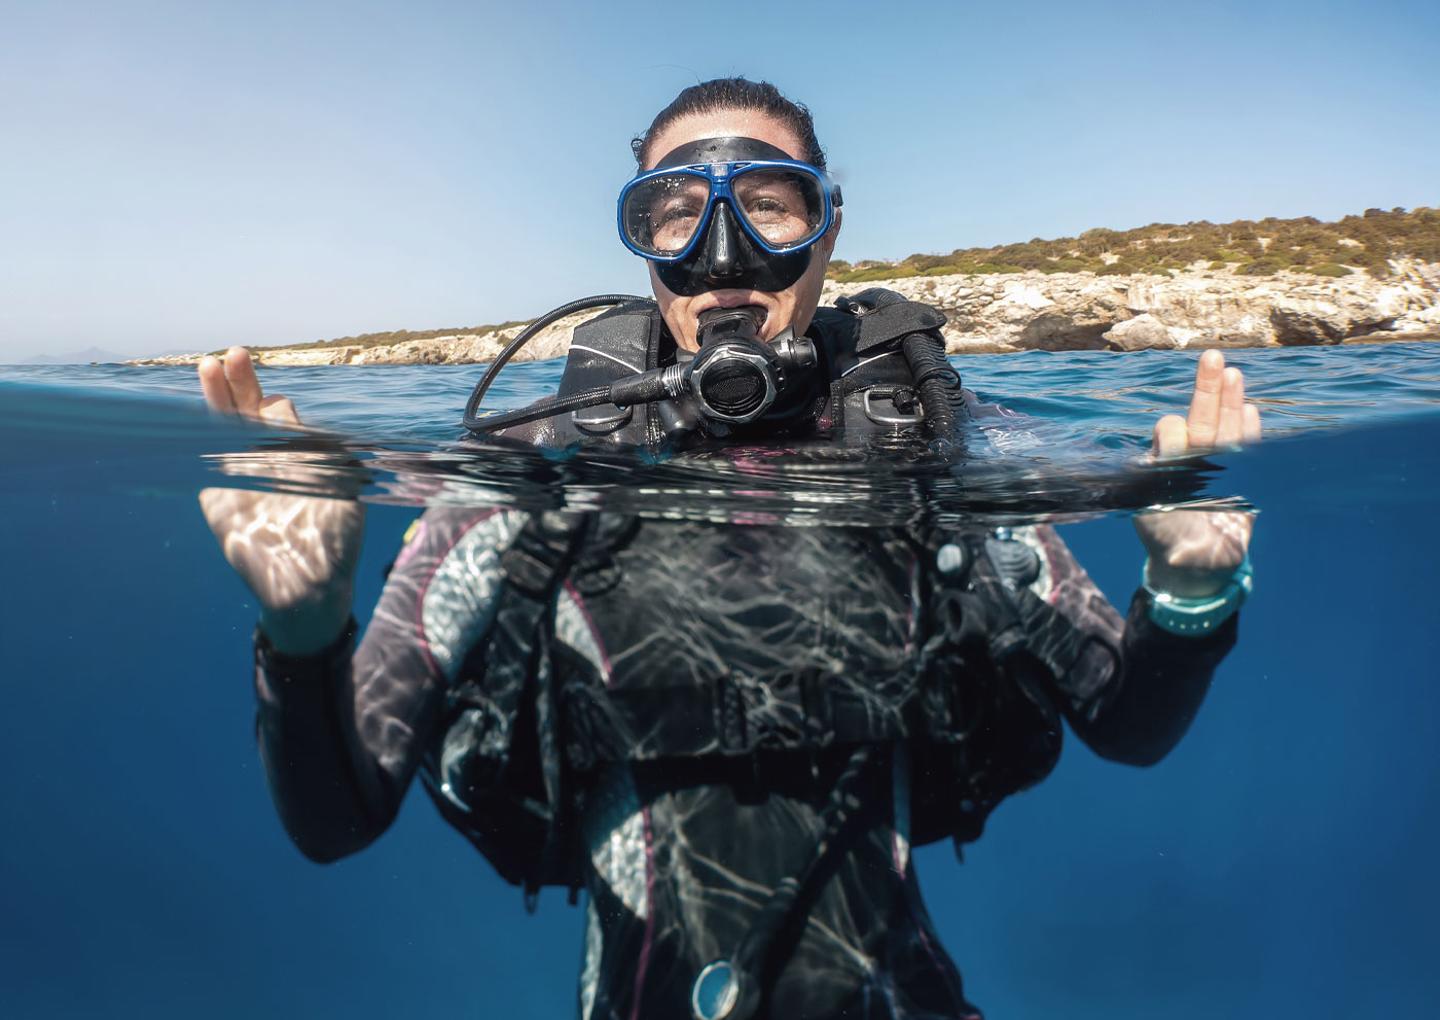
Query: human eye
675, 209
768, 196
674, 217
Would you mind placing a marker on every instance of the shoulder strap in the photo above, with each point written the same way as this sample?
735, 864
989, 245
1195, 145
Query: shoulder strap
874, 389
886, 316
502, 780
620, 342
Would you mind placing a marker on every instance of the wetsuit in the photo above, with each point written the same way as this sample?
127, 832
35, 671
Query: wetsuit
680, 854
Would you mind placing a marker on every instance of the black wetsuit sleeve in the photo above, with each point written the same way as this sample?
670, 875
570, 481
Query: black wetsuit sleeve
341, 733
1128, 688
307, 747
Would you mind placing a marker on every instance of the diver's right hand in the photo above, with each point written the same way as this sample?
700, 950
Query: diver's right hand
298, 554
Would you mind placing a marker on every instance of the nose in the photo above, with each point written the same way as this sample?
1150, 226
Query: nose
722, 249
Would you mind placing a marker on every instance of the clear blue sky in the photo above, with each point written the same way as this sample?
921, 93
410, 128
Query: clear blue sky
198, 174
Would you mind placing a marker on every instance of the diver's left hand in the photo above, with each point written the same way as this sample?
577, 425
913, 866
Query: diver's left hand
1193, 553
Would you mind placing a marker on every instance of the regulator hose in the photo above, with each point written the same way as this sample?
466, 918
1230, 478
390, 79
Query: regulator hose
936, 381
546, 408
735, 988
472, 419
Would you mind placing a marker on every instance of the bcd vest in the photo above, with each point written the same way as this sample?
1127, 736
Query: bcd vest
864, 386
970, 707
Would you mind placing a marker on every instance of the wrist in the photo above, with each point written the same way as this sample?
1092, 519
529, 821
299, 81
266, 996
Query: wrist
309, 627
1191, 614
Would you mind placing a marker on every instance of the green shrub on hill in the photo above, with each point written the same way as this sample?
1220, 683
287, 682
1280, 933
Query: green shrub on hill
394, 336
1266, 266
1252, 247
886, 272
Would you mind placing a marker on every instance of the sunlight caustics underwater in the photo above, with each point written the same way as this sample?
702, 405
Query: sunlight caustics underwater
1276, 863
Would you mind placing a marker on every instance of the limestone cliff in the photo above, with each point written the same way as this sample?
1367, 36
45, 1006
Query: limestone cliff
1200, 308
1005, 312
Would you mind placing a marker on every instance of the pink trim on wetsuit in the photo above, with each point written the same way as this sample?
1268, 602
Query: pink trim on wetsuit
1053, 595
579, 602
420, 635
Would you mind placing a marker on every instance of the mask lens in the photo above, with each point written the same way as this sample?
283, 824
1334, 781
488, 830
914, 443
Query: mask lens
662, 214
785, 207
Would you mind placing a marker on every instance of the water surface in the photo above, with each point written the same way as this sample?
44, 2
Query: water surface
1278, 863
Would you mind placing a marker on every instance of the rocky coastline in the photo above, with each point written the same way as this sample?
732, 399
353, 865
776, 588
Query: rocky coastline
1008, 312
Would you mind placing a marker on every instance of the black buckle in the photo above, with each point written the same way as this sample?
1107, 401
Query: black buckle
533, 562
526, 571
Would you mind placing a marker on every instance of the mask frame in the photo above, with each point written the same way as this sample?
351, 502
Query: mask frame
720, 178
725, 252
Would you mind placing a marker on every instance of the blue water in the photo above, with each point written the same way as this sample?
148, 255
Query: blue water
1278, 863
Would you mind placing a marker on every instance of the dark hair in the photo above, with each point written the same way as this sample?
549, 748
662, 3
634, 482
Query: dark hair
735, 94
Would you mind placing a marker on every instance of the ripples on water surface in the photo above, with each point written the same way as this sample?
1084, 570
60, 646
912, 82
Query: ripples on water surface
390, 434
1279, 863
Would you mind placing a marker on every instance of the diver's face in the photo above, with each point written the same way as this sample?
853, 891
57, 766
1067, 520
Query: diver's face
795, 305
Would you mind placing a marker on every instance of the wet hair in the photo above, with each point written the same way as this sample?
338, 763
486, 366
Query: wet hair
734, 94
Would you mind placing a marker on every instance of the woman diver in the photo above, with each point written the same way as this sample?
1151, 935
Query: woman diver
728, 736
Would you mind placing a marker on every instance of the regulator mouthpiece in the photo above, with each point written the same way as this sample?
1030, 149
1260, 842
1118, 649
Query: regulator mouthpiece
736, 377
743, 322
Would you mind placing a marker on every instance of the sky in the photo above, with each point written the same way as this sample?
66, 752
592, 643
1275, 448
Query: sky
192, 175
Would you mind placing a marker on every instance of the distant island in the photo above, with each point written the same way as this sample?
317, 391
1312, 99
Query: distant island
1250, 283
88, 356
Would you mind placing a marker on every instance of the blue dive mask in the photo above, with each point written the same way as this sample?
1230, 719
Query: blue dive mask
727, 213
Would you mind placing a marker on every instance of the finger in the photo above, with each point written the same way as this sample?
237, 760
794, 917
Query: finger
278, 410
1231, 428
1251, 428
1171, 437
215, 386
1204, 418
240, 371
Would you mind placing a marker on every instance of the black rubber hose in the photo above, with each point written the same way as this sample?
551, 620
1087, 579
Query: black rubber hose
472, 406
547, 408
754, 967
936, 381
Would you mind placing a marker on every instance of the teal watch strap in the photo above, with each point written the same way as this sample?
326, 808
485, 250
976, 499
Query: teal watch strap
1191, 617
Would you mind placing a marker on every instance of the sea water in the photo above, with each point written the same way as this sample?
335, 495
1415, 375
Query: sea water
1278, 863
